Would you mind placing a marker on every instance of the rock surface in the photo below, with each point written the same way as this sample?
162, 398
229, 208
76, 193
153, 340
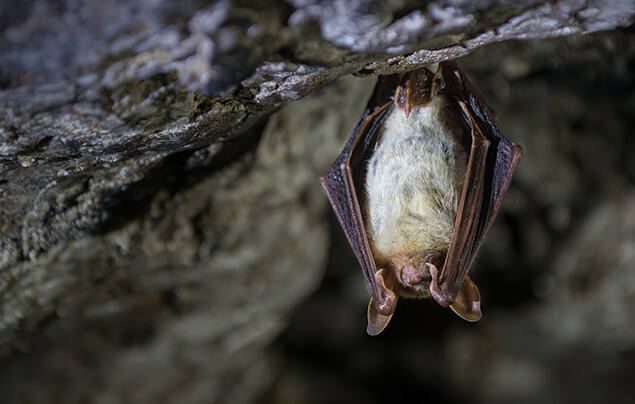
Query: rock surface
159, 220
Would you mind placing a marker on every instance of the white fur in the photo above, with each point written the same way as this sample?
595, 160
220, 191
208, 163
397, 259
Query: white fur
413, 183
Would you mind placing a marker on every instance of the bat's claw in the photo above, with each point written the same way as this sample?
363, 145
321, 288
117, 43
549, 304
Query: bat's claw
437, 291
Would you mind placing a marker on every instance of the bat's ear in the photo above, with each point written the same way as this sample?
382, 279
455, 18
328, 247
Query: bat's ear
377, 322
380, 312
467, 303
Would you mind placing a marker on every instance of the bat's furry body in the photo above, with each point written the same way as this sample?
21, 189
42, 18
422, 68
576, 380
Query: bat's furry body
413, 187
416, 188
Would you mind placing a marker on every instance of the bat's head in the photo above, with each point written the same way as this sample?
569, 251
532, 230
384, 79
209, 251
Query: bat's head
420, 279
402, 275
413, 275
417, 277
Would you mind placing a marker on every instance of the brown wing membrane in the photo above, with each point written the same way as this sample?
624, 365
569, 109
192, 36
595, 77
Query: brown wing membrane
342, 194
491, 164
341, 189
469, 215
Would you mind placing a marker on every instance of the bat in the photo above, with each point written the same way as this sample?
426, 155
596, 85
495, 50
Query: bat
416, 188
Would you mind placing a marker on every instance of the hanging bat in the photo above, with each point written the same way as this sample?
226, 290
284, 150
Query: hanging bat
416, 188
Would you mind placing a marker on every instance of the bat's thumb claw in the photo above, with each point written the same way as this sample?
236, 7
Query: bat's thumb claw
438, 293
467, 303
377, 322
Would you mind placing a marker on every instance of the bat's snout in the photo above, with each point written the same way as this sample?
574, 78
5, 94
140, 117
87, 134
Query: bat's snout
412, 276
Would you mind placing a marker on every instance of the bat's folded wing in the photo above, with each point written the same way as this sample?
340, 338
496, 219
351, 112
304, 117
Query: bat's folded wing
340, 185
492, 161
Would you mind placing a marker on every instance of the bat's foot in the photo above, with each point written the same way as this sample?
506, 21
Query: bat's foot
438, 293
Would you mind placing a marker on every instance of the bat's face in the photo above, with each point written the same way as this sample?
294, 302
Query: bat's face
413, 278
417, 187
